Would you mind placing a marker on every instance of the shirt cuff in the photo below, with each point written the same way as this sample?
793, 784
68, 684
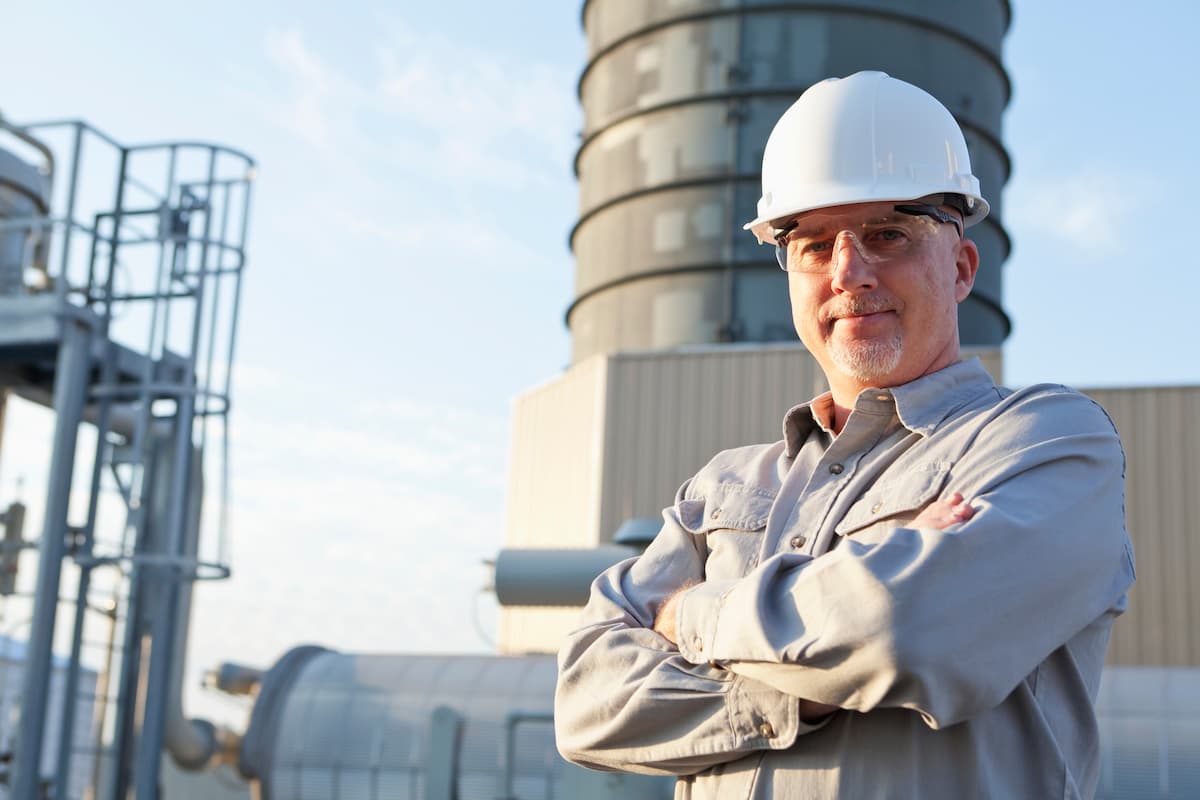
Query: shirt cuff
697, 611
764, 717
760, 715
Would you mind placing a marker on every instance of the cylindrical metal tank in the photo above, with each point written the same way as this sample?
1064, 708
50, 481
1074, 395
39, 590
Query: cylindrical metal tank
679, 97
24, 200
335, 726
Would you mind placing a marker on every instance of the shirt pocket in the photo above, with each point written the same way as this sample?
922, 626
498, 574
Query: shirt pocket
893, 502
729, 522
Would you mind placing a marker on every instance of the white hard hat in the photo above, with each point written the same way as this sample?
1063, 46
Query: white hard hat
862, 139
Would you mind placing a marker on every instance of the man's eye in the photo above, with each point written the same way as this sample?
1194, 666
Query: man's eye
888, 236
815, 246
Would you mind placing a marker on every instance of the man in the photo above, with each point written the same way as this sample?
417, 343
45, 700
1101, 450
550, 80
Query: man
911, 594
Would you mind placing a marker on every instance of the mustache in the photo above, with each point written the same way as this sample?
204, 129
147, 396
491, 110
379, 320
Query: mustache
856, 307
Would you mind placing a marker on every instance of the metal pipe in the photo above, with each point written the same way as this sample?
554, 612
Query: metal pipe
127, 680
131, 654
70, 387
66, 730
233, 678
32, 141
552, 577
154, 721
103, 417
69, 212
191, 742
101, 708
3, 409
223, 523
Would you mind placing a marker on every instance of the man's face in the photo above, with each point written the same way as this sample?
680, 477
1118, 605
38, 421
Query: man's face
874, 309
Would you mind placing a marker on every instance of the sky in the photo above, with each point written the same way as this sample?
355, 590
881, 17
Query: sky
408, 268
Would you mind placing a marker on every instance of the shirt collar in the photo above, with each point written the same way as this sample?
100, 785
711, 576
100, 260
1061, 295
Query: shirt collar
921, 405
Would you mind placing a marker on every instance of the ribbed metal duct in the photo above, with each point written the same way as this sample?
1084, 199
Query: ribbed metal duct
679, 97
336, 726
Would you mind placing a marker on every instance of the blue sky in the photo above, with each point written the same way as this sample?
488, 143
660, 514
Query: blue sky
408, 267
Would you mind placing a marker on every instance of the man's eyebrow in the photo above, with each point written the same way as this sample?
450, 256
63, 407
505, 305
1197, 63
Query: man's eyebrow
818, 226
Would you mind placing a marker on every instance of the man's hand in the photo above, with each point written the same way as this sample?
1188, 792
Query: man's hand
664, 621
664, 625
941, 514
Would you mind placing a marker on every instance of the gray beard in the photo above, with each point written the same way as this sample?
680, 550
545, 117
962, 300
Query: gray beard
867, 360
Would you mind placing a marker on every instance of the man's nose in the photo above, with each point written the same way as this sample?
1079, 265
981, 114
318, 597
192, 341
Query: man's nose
851, 270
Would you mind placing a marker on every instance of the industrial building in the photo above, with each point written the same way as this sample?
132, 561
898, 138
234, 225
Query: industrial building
676, 311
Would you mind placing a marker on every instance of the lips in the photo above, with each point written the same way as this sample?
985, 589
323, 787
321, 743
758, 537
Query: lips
862, 317
863, 309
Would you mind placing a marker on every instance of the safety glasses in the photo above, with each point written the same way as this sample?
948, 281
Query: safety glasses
809, 243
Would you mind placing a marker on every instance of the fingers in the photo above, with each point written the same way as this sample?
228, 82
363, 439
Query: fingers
959, 510
942, 514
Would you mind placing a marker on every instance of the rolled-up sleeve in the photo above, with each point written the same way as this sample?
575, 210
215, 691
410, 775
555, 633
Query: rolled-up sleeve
944, 622
627, 700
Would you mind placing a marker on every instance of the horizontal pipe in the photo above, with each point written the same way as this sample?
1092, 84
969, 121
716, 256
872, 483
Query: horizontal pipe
552, 576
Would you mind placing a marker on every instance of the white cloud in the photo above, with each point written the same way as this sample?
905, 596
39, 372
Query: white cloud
479, 110
1091, 211
451, 111
316, 87
287, 49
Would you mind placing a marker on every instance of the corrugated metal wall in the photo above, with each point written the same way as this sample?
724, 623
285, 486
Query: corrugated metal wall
669, 413
1160, 429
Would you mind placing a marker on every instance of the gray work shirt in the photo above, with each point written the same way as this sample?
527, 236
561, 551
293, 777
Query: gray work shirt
966, 660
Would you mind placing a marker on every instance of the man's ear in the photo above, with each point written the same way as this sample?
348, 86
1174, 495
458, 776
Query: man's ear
966, 265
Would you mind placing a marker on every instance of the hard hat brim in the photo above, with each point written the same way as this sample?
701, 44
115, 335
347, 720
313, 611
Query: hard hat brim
763, 227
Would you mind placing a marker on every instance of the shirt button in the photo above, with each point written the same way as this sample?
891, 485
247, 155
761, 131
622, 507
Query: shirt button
875, 508
766, 731
836, 469
797, 542
698, 644
716, 513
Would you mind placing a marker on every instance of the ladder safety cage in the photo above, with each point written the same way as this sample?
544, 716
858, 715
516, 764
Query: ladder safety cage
120, 284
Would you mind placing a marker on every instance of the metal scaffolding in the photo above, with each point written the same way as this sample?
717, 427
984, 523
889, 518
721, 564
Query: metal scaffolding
120, 278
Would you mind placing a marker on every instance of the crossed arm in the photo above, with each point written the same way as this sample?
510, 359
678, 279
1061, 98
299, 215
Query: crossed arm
628, 700
944, 616
938, 515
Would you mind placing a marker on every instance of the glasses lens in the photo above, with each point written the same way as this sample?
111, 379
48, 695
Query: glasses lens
816, 242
